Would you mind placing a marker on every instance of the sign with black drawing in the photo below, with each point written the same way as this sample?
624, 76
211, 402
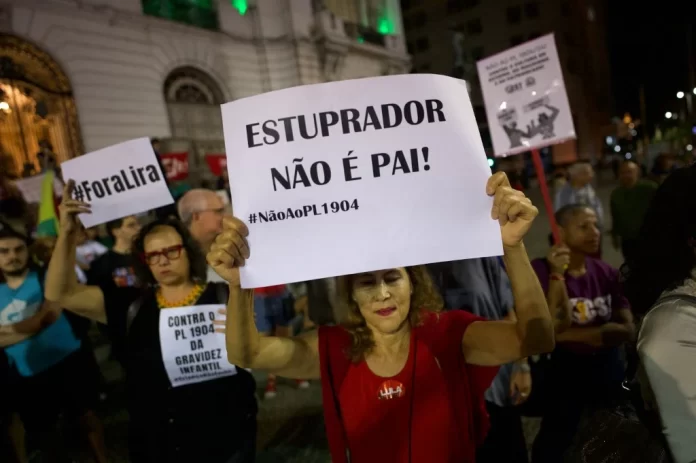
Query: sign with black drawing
192, 351
525, 96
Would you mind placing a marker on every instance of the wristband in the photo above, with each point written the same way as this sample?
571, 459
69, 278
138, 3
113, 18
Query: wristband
557, 277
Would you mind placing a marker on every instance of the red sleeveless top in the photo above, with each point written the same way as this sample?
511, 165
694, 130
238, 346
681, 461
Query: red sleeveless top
433, 409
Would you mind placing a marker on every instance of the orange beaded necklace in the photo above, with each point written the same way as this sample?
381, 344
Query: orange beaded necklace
192, 297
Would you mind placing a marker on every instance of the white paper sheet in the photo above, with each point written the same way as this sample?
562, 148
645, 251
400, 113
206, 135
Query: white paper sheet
403, 190
191, 350
118, 181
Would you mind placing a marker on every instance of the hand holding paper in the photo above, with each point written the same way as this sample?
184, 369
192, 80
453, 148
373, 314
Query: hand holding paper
70, 208
230, 250
511, 208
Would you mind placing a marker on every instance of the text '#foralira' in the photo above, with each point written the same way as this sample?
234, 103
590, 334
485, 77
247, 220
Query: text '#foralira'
124, 180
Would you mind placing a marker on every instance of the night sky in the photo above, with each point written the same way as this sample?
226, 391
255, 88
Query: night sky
648, 44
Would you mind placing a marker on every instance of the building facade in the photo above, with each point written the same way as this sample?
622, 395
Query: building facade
449, 36
81, 75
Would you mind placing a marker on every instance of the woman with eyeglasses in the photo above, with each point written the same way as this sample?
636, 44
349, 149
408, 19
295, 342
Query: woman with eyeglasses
167, 423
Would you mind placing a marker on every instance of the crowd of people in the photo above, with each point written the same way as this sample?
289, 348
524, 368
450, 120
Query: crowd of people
420, 364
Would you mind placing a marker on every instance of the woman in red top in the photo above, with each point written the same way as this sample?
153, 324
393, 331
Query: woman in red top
400, 382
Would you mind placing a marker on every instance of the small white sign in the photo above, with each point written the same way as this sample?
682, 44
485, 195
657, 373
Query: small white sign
30, 187
358, 175
118, 181
526, 101
191, 350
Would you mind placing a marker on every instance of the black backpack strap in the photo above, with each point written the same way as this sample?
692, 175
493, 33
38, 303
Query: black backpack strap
133, 310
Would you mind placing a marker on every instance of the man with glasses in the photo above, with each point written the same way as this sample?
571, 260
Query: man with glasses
202, 212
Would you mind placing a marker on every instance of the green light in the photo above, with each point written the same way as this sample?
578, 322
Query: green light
385, 26
361, 40
241, 5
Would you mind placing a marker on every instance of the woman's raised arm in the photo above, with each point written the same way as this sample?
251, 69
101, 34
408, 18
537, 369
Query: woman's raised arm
61, 281
296, 357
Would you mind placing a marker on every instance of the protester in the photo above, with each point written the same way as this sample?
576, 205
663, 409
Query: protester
202, 212
482, 287
88, 248
211, 420
399, 382
661, 282
115, 269
593, 320
629, 202
579, 190
45, 352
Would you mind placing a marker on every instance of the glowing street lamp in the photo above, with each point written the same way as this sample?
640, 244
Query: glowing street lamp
668, 115
680, 95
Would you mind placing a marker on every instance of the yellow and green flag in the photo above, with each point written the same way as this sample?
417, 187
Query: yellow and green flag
48, 220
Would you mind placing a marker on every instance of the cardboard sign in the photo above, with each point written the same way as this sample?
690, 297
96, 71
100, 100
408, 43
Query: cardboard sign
120, 180
358, 175
191, 350
525, 97
176, 165
217, 163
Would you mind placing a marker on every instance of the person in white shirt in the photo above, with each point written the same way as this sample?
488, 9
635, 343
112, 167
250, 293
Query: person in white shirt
660, 282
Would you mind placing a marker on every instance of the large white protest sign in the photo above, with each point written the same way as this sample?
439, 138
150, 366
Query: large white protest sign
120, 180
358, 175
526, 101
191, 350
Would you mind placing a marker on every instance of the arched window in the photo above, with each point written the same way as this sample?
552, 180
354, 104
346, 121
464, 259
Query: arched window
193, 101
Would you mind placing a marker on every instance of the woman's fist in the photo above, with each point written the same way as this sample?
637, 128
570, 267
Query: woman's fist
230, 250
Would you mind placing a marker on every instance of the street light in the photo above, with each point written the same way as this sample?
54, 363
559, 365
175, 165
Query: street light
668, 115
680, 95
694, 90
617, 148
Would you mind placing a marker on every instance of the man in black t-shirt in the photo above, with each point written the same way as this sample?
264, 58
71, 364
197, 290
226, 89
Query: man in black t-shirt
115, 268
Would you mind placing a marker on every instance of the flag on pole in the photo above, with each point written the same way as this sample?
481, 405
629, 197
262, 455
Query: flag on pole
48, 220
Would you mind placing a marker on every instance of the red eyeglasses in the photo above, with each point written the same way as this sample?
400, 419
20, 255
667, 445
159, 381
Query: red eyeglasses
170, 253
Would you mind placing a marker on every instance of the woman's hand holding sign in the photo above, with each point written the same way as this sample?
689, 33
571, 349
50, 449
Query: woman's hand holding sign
230, 250
511, 208
69, 209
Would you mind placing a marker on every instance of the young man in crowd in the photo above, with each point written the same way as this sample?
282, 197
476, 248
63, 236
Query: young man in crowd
629, 202
593, 321
115, 268
44, 352
482, 287
579, 190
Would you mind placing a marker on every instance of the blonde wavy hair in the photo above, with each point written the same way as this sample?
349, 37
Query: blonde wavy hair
424, 298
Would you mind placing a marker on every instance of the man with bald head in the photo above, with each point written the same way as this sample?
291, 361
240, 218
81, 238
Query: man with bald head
202, 212
629, 202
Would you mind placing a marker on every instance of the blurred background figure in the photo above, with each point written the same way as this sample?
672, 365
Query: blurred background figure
629, 202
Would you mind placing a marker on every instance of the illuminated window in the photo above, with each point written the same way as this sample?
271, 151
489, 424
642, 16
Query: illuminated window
199, 13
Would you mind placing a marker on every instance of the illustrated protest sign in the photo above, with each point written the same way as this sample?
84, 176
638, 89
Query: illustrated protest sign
358, 175
191, 349
526, 102
118, 181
